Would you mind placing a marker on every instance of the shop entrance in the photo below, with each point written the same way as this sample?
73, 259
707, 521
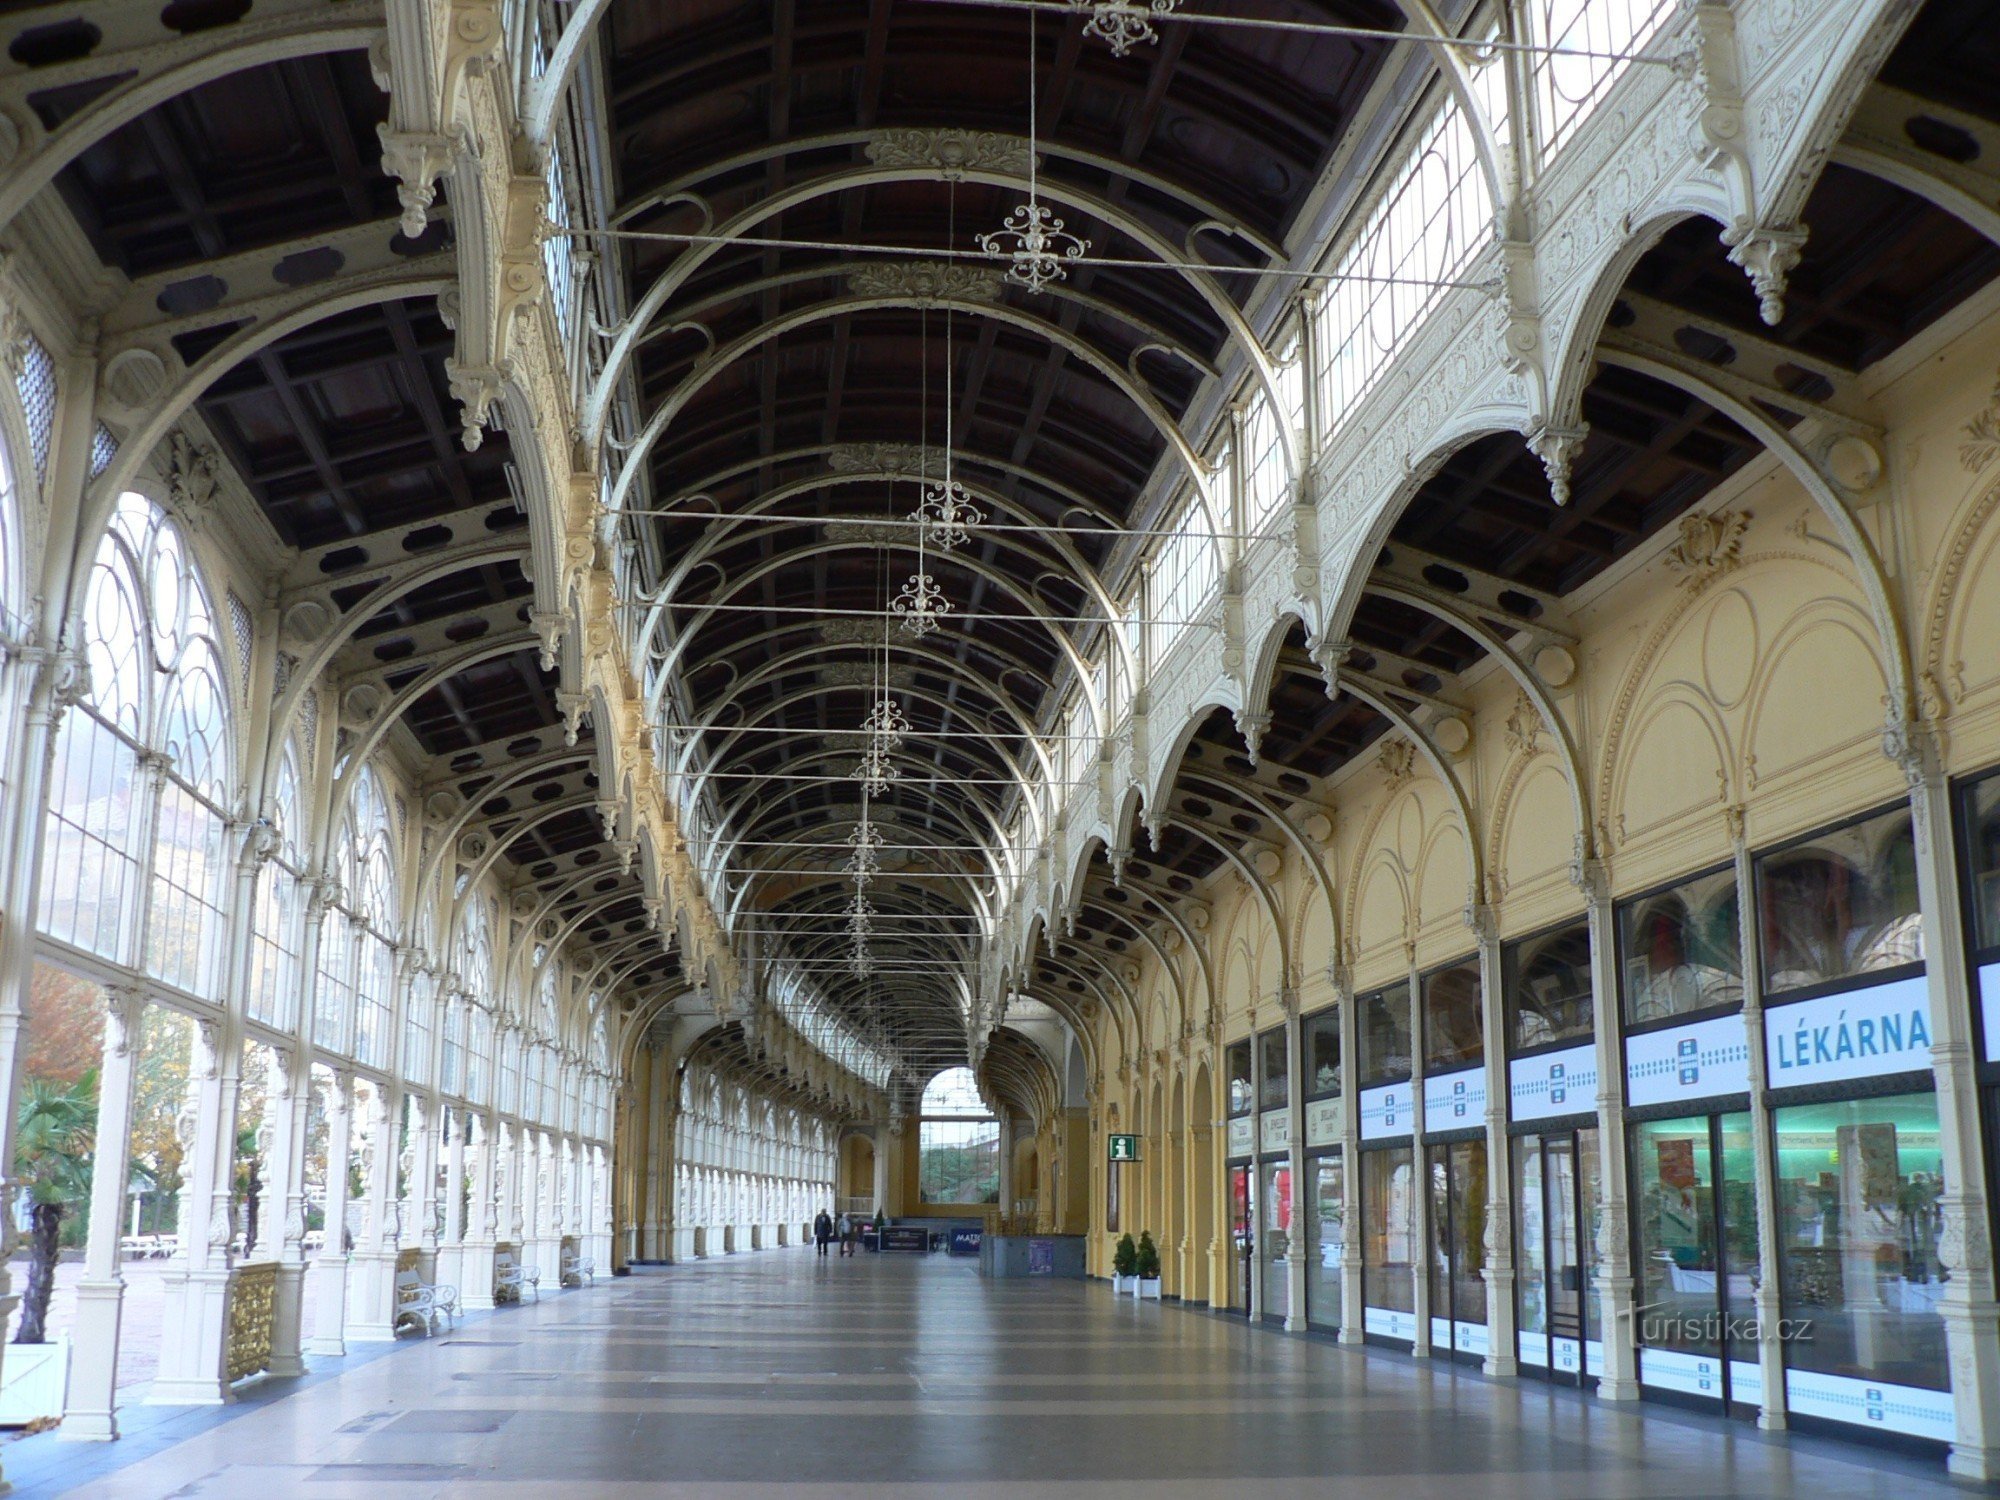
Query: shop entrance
1458, 1206
1557, 1177
1242, 1236
1695, 1259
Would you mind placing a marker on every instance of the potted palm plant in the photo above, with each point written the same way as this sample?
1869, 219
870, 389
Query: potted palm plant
1125, 1267
1147, 1267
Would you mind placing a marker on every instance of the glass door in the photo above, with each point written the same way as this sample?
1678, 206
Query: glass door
1556, 1186
1242, 1237
1325, 1238
1275, 1250
1458, 1248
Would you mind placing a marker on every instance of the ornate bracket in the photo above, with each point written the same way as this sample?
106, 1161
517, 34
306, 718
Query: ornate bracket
416, 159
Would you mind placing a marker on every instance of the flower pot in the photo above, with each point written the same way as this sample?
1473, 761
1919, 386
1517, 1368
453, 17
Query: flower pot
1147, 1286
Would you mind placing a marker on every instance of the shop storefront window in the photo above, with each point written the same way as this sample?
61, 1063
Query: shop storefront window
1274, 1071
1546, 987
1388, 1241
1241, 1238
1556, 1194
1681, 950
1840, 904
1324, 1238
1383, 1019
1860, 1187
1454, 1025
1321, 1049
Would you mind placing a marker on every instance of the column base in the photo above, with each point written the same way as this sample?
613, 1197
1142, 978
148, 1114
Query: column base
193, 1337
90, 1400
475, 1272
190, 1393
1617, 1390
329, 1293
371, 1313
1502, 1365
1967, 1461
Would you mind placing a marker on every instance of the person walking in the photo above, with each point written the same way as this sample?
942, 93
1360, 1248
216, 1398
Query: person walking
848, 1234
822, 1231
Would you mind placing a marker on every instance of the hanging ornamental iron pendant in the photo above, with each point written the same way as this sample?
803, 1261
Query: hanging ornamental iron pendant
1123, 24
886, 723
948, 514
922, 605
860, 962
1036, 243
866, 841
876, 770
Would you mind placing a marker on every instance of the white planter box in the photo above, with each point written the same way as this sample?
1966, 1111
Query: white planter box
1148, 1286
34, 1379
1123, 1286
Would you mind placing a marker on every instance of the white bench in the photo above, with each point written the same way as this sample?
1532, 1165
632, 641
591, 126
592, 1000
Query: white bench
513, 1280
419, 1301
577, 1269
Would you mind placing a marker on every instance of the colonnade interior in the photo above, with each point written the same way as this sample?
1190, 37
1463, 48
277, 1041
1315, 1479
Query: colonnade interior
1358, 636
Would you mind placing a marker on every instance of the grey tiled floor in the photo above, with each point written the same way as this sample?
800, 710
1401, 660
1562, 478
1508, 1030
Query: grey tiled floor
909, 1377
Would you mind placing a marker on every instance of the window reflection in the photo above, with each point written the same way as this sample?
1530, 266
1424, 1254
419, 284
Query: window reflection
1388, 1229
1547, 988
1454, 1026
1276, 1076
1321, 1048
1842, 904
1383, 1020
1680, 949
1238, 1063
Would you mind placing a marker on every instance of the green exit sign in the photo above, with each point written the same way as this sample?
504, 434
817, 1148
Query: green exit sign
1124, 1147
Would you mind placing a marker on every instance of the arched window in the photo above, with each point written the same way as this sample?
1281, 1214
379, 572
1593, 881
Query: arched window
958, 1142
274, 948
371, 890
158, 696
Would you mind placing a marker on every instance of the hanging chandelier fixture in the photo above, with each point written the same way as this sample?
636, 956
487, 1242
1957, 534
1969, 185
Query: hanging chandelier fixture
1123, 24
1032, 238
876, 770
885, 722
947, 512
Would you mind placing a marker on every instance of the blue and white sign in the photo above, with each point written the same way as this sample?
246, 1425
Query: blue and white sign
1322, 1123
1454, 1101
1465, 1338
1386, 1111
1553, 1083
1855, 1034
1687, 1062
1274, 1132
964, 1241
1871, 1403
1690, 1374
1989, 1008
1242, 1135
1390, 1324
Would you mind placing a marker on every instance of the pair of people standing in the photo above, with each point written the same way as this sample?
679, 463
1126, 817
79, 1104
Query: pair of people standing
825, 1228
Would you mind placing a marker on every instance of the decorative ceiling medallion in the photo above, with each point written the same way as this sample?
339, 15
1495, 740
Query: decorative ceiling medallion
924, 281
922, 605
948, 514
1123, 24
951, 152
1034, 241
878, 533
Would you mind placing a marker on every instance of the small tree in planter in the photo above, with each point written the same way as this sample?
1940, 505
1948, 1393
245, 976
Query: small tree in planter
1125, 1267
1148, 1267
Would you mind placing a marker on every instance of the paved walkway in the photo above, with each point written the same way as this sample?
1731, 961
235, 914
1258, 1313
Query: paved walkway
915, 1378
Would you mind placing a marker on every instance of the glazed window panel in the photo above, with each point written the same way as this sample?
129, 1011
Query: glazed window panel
1389, 1229
1547, 989
1274, 1070
1383, 1019
1673, 1182
184, 917
89, 873
1982, 858
1454, 1018
1860, 1212
1680, 950
1840, 905
1320, 1047
1568, 85
1325, 1237
1237, 1062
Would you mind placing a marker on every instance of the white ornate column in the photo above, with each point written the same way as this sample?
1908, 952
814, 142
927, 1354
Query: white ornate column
451, 1248
1968, 1306
329, 1274
281, 1232
90, 1408
419, 1225
371, 1308
1502, 1344
475, 1275
195, 1329
1620, 1378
